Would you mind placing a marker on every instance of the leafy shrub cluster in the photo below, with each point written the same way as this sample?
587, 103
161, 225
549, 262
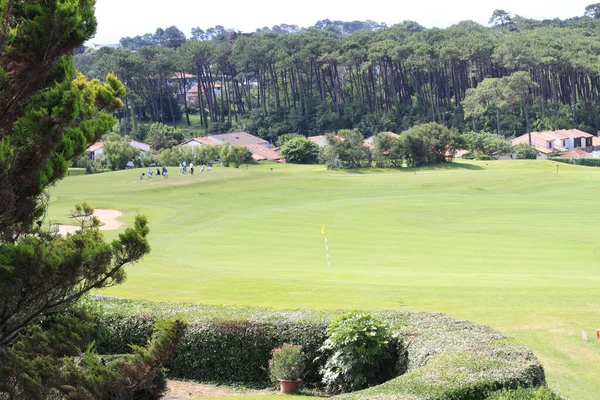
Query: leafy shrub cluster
356, 345
541, 393
588, 162
444, 358
286, 363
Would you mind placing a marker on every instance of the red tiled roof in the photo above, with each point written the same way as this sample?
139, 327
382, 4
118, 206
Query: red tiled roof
261, 153
203, 140
95, 146
575, 153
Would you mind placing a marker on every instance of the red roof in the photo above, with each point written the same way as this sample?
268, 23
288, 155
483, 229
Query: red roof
262, 153
95, 146
576, 153
203, 140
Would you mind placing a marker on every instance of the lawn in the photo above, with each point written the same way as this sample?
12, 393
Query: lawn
510, 244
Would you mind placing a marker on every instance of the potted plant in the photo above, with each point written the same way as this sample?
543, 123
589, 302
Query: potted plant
287, 366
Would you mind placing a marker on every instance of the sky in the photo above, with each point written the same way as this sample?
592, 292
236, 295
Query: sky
120, 18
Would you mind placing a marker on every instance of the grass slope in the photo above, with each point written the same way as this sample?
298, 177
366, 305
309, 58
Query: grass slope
511, 244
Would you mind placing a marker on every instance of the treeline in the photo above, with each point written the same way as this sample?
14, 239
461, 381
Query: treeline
363, 75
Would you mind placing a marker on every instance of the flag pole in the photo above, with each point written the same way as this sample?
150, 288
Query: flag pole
324, 233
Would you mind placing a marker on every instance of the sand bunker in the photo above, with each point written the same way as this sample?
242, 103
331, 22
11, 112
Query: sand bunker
108, 218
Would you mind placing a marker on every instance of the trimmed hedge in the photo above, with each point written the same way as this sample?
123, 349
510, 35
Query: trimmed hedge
587, 162
445, 358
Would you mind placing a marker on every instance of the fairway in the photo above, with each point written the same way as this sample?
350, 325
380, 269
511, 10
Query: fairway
510, 244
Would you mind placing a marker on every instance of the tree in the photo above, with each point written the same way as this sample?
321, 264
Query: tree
234, 154
300, 150
346, 150
593, 10
486, 144
388, 149
525, 152
161, 136
47, 116
84, 215
286, 137
118, 151
428, 144
500, 17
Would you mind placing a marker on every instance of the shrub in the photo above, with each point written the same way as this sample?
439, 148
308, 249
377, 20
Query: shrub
286, 363
588, 162
445, 358
525, 152
355, 344
524, 394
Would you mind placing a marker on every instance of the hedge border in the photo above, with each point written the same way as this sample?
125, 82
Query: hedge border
447, 358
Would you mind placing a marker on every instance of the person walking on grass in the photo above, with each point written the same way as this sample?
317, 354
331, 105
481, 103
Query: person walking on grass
192, 168
209, 170
184, 167
149, 174
165, 172
181, 168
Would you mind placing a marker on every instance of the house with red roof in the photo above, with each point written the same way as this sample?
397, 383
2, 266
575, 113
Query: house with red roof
97, 148
558, 141
260, 148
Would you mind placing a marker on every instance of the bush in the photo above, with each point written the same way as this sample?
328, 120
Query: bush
286, 363
446, 358
525, 152
588, 162
300, 150
525, 394
355, 344
76, 171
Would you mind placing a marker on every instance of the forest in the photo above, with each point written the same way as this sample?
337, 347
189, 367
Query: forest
511, 77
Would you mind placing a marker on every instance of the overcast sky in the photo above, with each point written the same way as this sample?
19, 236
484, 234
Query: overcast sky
119, 18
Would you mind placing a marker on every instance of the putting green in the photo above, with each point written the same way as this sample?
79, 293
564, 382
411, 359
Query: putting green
510, 244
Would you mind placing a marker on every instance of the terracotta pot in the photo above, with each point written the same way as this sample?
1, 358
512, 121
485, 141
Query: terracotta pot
289, 386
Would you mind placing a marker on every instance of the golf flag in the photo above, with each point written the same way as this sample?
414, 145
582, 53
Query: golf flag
323, 229
326, 245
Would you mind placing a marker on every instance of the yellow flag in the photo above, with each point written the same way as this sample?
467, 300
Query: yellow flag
323, 229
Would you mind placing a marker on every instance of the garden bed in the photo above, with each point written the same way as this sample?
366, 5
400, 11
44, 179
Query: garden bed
436, 356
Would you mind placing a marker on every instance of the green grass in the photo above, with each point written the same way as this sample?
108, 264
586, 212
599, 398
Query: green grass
510, 244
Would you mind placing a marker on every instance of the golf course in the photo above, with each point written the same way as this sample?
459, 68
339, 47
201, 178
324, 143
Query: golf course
510, 244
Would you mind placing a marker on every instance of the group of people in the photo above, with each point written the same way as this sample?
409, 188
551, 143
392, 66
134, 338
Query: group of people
183, 167
165, 173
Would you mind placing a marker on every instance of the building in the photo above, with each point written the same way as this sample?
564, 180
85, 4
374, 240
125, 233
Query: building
319, 140
558, 141
368, 142
260, 148
97, 148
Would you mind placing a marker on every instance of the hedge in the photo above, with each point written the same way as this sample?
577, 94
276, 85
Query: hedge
444, 358
588, 162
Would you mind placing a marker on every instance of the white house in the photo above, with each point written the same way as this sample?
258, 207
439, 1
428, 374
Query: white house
560, 141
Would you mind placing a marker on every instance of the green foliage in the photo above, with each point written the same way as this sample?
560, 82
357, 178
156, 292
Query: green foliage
346, 150
355, 345
283, 139
447, 358
234, 154
525, 152
84, 215
300, 150
587, 162
428, 144
199, 155
388, 150
524, 394
161, 136
117, 151
286, 363
485, 144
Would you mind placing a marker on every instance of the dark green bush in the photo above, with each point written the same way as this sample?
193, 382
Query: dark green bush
587, 162
355, 346
443, 358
